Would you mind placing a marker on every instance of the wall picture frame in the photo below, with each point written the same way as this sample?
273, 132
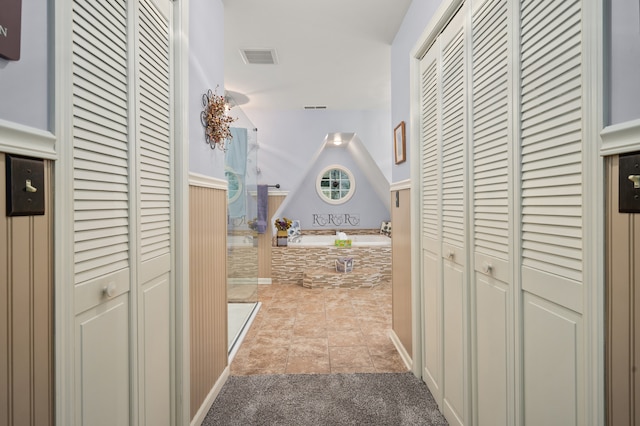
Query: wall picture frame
399, 143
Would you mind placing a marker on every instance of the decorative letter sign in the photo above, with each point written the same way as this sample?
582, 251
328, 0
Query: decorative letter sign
10, 23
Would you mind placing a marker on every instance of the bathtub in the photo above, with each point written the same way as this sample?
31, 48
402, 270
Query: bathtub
329, 240
370, 253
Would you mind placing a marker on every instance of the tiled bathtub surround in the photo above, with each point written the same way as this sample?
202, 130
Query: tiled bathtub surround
300, 330
289, 263
329, 278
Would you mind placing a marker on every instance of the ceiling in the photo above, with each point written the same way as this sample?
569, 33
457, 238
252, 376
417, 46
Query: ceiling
333, 53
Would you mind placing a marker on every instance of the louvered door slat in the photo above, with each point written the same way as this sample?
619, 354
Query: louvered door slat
490, 127
154, 134
453, 141
429, 142
551, 138
100, 130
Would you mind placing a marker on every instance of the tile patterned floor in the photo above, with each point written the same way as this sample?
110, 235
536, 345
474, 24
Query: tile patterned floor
301, 330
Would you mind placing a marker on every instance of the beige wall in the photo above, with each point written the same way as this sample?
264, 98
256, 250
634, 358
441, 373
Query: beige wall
208, 290
622, 303
26, 312
401, 267
265, 240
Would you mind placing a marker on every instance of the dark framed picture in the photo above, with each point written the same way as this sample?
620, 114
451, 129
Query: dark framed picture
399, 143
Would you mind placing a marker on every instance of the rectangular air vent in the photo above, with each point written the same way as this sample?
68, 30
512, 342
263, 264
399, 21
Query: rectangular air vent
315, 107
259, 56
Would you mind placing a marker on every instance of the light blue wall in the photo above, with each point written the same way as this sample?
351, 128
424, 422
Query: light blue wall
206, 71
24, 84
415, 21
364, 205
288, 139
625, 61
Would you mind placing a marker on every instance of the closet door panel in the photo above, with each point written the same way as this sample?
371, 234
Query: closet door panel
432, 327
491, 359
155, 354
453, 177
552, 206
454, 344
491, 127
154, 214
552, 364
431, 221
102, 364
102, 226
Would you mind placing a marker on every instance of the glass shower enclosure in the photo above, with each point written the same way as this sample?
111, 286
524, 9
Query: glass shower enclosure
242, 239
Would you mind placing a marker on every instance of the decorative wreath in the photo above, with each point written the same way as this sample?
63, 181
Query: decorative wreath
215, 120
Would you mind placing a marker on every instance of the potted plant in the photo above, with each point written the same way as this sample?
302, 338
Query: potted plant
282, 225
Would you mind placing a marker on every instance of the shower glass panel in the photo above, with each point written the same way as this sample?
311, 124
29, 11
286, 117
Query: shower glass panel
242, 239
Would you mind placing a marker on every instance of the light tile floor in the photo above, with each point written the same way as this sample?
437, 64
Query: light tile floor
301, 330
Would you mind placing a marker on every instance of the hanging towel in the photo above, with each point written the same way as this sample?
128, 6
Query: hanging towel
235, 170
263, 200
236, 156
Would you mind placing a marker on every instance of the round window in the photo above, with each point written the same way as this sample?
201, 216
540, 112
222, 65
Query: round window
335, 184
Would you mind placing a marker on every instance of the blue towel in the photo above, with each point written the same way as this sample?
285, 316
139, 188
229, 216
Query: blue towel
236, 156
236, 166
263, 202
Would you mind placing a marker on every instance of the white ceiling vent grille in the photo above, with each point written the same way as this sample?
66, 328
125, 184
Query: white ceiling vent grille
259, 56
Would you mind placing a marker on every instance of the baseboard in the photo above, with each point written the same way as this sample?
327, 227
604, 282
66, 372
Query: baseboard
208, 401
401, 350
264, 281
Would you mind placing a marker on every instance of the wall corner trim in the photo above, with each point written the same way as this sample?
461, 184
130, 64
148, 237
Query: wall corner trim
402, 184
620, 138
196, 179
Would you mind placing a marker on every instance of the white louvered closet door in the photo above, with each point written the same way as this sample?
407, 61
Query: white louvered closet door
513, 312
453, 176
122, 212
492, 135
102, 219
153, 135
431, 220
551, 161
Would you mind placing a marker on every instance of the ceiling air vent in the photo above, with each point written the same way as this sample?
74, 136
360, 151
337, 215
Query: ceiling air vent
315, 107
259, 56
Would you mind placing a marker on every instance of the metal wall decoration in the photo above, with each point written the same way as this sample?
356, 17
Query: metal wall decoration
346, 219
216, 120
10, 29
